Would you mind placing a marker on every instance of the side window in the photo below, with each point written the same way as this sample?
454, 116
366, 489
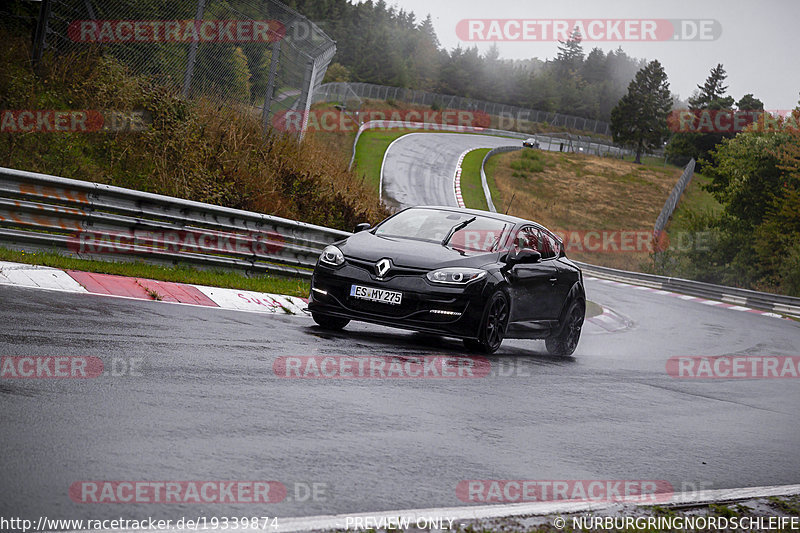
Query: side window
549, 246
527, 239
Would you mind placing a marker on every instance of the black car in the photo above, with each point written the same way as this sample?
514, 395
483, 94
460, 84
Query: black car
464, 273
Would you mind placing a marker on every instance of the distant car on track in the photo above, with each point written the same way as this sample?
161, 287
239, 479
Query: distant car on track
471, 274
530, 143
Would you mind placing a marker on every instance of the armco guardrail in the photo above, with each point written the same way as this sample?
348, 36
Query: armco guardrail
674, 197
92, 220
758, 300
42, 212
484, 182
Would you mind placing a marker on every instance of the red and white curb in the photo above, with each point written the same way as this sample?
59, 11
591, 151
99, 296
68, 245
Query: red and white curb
610, 321
457, 179
40, 277
704, 301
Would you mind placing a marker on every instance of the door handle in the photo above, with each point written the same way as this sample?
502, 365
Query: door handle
553, 280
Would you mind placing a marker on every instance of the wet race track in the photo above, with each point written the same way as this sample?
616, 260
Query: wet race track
204, 402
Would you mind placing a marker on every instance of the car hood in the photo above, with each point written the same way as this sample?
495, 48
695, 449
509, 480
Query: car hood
410, 253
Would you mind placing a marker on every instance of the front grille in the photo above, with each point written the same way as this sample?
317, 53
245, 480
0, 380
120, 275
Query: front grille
369, 266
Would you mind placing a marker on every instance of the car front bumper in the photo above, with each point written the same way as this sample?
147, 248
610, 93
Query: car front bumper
446, 310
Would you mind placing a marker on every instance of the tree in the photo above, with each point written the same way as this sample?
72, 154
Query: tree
710, 96
640, 117
336, 72
594, 68
570, 54
749, 102
712, 92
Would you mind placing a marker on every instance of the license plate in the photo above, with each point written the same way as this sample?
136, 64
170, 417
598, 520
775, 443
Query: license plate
376, 295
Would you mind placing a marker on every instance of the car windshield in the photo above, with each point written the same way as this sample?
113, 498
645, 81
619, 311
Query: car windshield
481, 235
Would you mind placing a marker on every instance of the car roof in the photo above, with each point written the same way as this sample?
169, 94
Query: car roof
479, 212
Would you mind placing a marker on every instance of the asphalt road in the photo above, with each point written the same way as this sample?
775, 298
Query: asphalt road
419, 170
207, 405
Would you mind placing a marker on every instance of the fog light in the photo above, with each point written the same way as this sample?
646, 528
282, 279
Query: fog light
443, 312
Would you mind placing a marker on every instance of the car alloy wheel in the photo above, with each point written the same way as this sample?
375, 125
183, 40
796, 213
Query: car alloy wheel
565, 343
493, 327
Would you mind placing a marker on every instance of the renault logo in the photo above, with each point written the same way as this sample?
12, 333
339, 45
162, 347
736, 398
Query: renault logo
382, 267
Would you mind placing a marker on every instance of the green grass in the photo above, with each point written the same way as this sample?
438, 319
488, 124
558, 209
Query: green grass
651, 161
593, 309
694, 200
530, 161
471, 188
369, 154
180, 274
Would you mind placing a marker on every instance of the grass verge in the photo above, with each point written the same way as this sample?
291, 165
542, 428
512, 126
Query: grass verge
369, 154
471, 187
180, 274
694, 200
583, 193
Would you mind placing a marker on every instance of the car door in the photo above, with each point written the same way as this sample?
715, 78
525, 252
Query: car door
531, 284
558, 290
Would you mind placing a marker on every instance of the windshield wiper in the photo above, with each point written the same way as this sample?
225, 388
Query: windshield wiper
454, 229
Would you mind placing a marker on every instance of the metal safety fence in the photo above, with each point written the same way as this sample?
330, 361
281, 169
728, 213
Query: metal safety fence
39, 212
674, 198
259, 54
356, 92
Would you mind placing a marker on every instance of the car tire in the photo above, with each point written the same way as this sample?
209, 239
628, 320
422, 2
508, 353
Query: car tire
493, 325
566, 341
331, 323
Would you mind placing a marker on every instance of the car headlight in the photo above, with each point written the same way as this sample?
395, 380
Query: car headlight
332, 256
455, 276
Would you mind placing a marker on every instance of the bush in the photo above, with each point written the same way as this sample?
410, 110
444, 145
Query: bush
530, 161
196, 149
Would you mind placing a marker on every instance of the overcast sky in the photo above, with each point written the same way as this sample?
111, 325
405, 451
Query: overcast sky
757, 45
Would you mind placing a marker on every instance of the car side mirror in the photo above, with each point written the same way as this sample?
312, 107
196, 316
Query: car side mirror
523, 257
362, 227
